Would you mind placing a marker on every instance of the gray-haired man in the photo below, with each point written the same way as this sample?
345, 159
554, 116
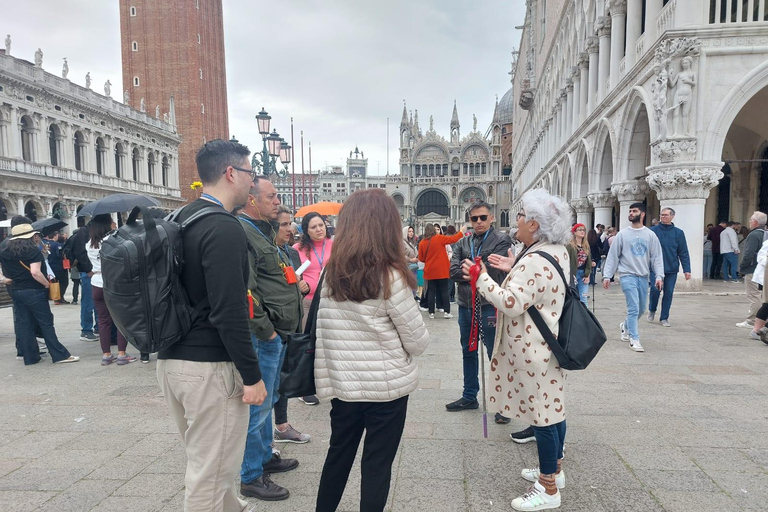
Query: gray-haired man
752, 245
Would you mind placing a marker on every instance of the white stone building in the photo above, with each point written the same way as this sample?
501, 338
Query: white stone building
439, 178
63, 145
659, 101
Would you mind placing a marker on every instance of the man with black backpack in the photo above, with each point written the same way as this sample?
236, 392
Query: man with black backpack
211, 375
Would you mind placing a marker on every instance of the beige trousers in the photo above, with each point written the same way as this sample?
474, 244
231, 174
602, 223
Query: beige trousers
754, 296
206, 402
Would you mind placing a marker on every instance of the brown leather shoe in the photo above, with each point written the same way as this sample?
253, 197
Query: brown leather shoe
279, 465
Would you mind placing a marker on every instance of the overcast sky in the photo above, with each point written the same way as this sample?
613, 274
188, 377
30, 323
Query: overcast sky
339, 67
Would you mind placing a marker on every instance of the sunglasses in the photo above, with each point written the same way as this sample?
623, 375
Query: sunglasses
476, 218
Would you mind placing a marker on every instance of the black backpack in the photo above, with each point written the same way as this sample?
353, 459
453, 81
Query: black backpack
141, 266
580, 337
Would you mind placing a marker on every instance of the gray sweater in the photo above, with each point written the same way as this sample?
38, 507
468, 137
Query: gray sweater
635, 252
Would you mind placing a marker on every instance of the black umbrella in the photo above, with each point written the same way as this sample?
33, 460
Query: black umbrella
48, 226
116, 203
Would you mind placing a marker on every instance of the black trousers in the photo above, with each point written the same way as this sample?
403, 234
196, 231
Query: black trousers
437, 292
383, 423
63, 277
717, 265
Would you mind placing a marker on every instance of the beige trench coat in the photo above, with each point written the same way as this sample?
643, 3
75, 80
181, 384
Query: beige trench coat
525, 380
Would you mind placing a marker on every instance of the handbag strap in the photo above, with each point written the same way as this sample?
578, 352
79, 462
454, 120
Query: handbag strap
541, 325
26, 267
314, 306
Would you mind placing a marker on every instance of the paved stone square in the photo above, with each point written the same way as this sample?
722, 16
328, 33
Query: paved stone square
681, 427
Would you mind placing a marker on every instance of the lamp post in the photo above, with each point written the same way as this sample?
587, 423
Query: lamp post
274, 147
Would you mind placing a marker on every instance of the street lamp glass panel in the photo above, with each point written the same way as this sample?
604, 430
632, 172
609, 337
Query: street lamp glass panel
263, 121
285, 152
273, 143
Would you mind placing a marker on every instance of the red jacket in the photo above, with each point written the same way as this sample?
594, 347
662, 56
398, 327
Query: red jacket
432, 253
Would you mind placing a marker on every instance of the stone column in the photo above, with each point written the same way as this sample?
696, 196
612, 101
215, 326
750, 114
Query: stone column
568, 108
583, 86
652, 10
618, 17
593, 52
628, 192
563, 116
602, 202
685, 187
603, 28
14, 136
576, 114
583, 209
634, 28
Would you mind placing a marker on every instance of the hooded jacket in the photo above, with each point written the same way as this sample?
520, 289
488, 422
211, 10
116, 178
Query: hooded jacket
674, 248
495, 243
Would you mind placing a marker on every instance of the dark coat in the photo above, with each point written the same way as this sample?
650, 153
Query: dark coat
496, 243
752, 245
673, 247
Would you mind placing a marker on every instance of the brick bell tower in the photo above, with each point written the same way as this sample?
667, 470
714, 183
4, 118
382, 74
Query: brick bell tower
175, 48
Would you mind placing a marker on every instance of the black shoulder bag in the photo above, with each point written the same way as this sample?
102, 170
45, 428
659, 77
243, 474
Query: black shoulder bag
580, 337
297, 377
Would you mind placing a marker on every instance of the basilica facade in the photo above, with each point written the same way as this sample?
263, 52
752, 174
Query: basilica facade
63, 145
441, 177
656, 101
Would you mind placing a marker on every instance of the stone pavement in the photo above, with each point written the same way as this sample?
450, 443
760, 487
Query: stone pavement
682, 427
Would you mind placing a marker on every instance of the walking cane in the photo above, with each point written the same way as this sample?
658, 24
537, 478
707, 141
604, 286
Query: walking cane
476, 336
593, 297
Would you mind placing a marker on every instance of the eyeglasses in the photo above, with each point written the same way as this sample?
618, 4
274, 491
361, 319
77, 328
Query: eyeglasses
521, 213
249, 171
475, 218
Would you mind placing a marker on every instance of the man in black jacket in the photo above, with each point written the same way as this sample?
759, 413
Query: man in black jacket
752, 245
483, 242
88, 316
211, 376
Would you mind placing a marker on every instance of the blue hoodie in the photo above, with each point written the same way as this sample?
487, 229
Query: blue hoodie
673, 247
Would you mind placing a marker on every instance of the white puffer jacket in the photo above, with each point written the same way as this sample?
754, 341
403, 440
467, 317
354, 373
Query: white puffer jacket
365, 349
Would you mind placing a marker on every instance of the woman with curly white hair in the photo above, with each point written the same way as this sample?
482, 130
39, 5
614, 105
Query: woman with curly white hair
526, 380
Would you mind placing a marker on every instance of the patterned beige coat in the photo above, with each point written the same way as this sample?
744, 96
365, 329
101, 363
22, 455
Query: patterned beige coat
525, 380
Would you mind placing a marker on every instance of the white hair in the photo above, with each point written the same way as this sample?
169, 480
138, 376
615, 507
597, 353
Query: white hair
761, 218
551, 212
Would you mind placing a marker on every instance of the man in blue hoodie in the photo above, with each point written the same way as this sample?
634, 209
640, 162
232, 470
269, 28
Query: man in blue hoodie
675, 251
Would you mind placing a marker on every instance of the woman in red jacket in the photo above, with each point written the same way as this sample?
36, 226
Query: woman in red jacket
437, 267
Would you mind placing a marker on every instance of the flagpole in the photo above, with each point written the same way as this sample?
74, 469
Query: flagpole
303, 190
293, 170
387, 146
311, 192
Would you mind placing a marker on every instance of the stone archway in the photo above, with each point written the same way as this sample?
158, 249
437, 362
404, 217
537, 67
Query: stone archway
400, 203
601, 178
33, 210
432, 200
634, 159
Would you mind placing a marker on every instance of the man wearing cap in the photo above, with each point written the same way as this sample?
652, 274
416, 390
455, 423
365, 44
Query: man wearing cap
22, 262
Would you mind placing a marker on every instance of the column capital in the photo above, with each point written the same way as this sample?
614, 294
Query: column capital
630, 190
593, 45
575, 72
583, 60
568, 86
603, 26
617, 7
674, 150
680, 181
601, 199
581, 205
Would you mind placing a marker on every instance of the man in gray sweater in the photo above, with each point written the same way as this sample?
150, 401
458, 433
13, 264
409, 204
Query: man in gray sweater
634, 252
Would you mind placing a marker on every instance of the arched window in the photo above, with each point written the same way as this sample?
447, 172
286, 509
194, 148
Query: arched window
101, 151
27, 145
54, 144
135, 162
133, 11
119, 155
135, 46
79, 147
166, 167
151, 167
135, 81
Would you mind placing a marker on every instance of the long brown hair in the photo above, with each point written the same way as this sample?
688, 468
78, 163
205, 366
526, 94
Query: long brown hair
366, 249
584, 243
429, 231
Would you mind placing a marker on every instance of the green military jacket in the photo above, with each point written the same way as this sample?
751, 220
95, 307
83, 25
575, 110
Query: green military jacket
276, 304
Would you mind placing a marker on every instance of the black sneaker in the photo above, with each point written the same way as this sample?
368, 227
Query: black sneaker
310, 400
264, 489
462, 404
279, 465
524, 436
144, 357
501, 419
88, 336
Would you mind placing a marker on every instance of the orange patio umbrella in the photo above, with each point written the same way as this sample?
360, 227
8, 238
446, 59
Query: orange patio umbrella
323, 208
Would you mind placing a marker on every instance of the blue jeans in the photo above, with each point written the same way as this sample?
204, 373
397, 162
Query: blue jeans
666, 302
549, 441
88, 316
581, 285
635, 290
258, 445
730, 262
471, 360
707, 263
31, 305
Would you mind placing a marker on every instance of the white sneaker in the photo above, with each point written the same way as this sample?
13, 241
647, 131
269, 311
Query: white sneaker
431, 315
651, 316
447, 315
636, 346
536, 498
745, 324
532, 475
624, 333
752, 335
440, 310
423, 309
665, 323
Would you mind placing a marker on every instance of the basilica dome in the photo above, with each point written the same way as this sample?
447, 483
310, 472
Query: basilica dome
506, 105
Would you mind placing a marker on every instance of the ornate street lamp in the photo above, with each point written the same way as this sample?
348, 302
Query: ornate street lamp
266, 160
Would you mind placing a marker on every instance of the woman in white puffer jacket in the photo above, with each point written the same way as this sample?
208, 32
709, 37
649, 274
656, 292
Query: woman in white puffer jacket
369, 328
759, 332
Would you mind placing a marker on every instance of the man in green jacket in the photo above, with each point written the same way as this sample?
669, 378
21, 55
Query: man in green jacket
275, 302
